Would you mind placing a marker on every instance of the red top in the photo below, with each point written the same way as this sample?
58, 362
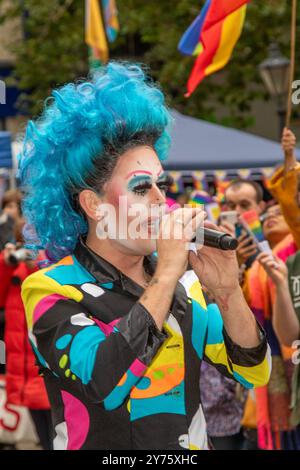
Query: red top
24, 386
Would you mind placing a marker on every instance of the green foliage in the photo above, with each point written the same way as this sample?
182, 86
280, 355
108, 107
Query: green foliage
51, 50
54, 51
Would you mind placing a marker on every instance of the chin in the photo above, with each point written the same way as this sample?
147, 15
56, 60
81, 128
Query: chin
139, 247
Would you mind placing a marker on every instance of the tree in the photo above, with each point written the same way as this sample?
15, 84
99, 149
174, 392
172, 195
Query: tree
54, 52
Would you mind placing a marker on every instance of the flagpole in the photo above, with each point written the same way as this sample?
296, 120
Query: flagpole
292, 67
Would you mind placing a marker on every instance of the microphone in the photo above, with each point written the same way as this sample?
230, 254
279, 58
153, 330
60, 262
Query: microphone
215, 239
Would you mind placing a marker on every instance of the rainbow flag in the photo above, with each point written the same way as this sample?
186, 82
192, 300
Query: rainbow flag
199, 180
213, 212
251, 221
111, 21
199, 198
101, 26
221, 186
178, 184
212, 37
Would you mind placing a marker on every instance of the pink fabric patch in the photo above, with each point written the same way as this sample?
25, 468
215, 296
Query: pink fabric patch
77, 420
106, 328
45, 304
114, 322
137, 368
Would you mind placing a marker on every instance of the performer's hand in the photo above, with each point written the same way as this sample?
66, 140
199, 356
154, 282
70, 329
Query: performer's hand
275, 268
177, 229
216, 269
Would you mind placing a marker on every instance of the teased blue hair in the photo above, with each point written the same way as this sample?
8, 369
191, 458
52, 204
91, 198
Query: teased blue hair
75, 144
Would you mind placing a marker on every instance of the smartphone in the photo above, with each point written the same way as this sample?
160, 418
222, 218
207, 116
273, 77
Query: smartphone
239, 230
229, 216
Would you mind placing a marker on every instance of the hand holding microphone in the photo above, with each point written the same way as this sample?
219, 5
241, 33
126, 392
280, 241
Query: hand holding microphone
217, 269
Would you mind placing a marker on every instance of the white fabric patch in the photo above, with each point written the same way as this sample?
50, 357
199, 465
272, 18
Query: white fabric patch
197, 437
173, 323
184, 441
60, 441
32, 338
80, 319
188, 279
92, 289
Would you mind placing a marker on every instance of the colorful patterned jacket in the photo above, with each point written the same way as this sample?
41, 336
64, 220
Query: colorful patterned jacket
114, 380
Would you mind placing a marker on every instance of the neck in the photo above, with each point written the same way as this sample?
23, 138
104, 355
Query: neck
131, 265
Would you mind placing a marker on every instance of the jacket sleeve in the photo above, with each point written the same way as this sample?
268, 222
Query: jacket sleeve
6, 273
249, 366
285, 189
102, 361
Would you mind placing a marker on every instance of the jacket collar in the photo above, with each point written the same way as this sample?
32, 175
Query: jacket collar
105, 272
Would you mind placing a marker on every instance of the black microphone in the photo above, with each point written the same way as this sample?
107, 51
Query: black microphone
215, 239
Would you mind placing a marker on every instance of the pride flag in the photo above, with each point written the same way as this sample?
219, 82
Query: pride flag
101, 26
251, 220
212, 37
111, 21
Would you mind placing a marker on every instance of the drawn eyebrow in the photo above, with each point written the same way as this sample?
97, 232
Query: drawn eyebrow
138, 171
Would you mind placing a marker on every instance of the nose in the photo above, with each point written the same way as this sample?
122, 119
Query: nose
157, 196
239, 210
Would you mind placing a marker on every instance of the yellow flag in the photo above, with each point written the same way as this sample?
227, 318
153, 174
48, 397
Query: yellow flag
94, 31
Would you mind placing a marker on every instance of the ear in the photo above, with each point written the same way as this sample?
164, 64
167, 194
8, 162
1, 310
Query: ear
89, 202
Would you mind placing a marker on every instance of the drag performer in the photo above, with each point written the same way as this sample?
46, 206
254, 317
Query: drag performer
119, 331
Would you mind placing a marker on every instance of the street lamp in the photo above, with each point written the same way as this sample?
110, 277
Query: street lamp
275, 71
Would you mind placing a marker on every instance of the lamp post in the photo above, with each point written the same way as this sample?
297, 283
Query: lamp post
274, 72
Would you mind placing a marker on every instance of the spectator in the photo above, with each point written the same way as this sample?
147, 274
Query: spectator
241, 196
24, 386
11, 212
284, 185
272, 401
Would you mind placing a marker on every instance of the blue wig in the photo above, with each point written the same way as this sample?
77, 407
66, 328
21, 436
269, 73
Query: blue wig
75, 144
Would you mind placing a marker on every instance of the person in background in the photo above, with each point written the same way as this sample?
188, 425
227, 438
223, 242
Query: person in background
286, 321
284, 185
24, 386
223, 404
241, 196
11, 213
272, 401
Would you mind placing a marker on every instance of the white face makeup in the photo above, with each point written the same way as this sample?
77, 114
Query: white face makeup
137, 188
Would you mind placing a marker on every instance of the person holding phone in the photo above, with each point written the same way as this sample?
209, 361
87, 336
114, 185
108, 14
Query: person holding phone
241, 196
286, 321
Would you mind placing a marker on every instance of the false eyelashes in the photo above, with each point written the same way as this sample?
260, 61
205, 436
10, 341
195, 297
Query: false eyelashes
146, 184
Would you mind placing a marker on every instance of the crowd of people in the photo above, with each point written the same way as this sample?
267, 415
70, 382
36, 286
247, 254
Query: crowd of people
245, 406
